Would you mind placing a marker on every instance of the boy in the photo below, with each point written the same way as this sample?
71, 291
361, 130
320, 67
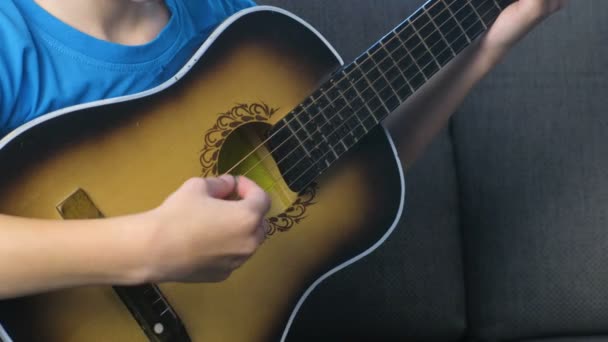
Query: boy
58, 53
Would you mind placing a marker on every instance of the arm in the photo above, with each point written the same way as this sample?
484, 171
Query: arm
422, 116
43, 255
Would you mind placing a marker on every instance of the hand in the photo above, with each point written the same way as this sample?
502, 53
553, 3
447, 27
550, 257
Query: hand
200, 236
515, 22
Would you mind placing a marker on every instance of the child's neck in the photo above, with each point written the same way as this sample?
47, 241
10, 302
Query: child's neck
129, 22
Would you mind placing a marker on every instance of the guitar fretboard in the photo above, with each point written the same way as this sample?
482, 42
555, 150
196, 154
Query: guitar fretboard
360, 95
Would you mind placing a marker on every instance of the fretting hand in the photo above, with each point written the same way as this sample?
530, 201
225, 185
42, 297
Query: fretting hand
515, 22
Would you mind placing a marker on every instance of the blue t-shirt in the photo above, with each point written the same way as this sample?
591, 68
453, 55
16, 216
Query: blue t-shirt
47, 65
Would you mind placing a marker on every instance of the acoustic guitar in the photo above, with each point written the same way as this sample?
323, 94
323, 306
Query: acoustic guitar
265, 96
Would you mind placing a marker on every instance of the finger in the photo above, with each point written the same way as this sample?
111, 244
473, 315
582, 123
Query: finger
252, 195
261, 232
220, 187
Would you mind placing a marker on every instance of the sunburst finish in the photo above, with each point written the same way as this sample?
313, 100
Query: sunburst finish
129, 156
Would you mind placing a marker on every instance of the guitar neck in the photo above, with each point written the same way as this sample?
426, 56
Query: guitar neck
360, 95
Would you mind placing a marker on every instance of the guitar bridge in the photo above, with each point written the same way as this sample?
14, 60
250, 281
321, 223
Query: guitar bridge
146, 303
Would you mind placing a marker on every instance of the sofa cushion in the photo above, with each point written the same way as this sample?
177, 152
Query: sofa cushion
532, 155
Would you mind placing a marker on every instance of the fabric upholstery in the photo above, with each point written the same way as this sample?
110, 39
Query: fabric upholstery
531, 148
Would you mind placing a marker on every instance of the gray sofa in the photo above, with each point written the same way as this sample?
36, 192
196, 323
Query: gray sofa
506, 229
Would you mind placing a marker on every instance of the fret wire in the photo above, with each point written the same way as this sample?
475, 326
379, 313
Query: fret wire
354, 112
360, 95
339, 156
268, 139
331, 144
424, 12
389, 57
303, 125
294, 134
412, 57
478, 16
442, 51
437, 27
407, 81
327, 139
425, 65
330, 141
457, 21
415, 61
371, 85
492, 5
380, 78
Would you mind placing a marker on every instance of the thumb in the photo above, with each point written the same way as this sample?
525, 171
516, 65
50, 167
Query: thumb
252, 195
220, 187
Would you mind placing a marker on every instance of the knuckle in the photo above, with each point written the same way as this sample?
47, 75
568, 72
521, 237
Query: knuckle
252, 219
266, 202
196, 184
251, 246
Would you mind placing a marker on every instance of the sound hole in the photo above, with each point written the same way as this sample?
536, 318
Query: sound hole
244, 153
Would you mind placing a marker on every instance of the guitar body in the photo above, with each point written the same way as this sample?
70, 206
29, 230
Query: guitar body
129, 154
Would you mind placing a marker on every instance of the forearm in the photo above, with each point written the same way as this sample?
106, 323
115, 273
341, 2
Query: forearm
43, 255
422, 116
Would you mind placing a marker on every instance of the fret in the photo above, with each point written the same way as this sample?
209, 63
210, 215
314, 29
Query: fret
304, 121
349, 93
375, 84
439, 47
468, 19
502, 4
308, 128
452, 9
326, 127
343, 86
298, 132
340, 116
398, 82
421, 23
384, 63
360, 95
421, 55
439, 16
416, 77
284, 146
454, 34
488, 10
367, 70
473, 4
408, 69
394, 48
447, 25
364, 112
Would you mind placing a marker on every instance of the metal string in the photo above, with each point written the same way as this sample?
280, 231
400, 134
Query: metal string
337, 129
332, 87
382, 75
